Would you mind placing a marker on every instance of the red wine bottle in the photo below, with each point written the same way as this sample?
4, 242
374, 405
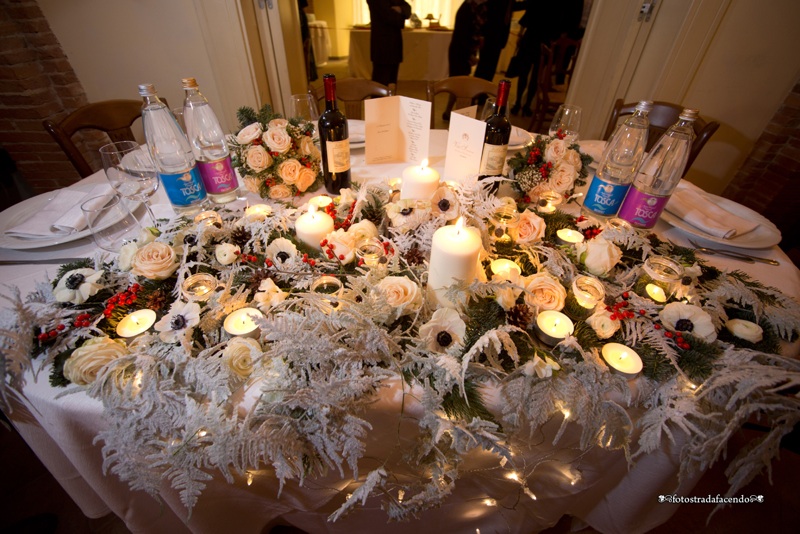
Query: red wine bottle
498, 132
334, 141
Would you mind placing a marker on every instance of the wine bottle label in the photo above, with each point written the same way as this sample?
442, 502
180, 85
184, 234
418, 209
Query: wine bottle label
642, 210
184, 188
604, 198
493, 159
337, 154
218, 176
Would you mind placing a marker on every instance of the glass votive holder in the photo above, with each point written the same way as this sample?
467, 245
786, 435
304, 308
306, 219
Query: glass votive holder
616, 223
327, 285
504, 219
588, 291
660, 278
208, 218
370, 252
199, 287
548, 201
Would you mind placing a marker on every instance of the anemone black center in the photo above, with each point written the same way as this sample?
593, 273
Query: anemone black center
686, 280
684, 325
190, 240
178, 322
444, 338
282, 256
444, 204
406, 211
498, 232
542, 202
75, 280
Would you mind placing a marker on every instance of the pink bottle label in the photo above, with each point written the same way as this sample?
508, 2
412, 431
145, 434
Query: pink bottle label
642, 210
218, 176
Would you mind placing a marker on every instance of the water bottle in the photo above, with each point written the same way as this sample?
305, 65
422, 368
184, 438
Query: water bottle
660, 173
172, 155
618, 165
208, 145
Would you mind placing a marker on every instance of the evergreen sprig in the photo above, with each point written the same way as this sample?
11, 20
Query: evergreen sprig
482, 315
655, 365
698, 361
468, 406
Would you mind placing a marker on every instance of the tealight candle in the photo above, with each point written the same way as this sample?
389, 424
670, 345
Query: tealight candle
136, 323
258, 212
548, 202
313, 226
568, 236
660, 278
588, 291
505, 269
241, 322
394, 184
656, 293
208, 218
505, 218
419, 183
199, 286
371, 253
622, 359
320, 201
553, 326
454, 256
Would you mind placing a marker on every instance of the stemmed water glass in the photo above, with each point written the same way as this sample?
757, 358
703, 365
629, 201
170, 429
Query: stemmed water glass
131, 172
567, 120
304, 106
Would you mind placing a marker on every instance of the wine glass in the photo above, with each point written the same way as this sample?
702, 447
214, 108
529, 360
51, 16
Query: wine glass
489, 108
304, 106
131, 172
567, 120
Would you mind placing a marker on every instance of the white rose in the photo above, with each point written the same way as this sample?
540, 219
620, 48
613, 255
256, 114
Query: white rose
544, 292
78, 285
602, 323
747, 330
278, 140
401, 293
562, 178
257, 158
363, 230
277, 192
239, 355
87, 360
155, 261
226, 253
344, 245
555, 151
278, 123
305, 178
269, 295
126, 253
542, 368
530, 229
289, 170
248, 134
573, 158
307, 147
598, 255
147, 235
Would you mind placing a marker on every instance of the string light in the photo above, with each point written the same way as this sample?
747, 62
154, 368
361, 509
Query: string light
202, 433
513, 476
400, 495
348, 496
566, 413
529, 493
249, 478
490, 502
137, 380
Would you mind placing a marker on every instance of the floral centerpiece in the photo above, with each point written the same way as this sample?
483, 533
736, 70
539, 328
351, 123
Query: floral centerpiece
338, 321
276, 157
549, 164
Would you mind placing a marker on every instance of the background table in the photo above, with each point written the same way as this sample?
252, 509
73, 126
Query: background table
424, 54
608, 496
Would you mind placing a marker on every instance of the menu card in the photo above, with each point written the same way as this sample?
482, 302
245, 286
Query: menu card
397, 129
471, 112
464, 148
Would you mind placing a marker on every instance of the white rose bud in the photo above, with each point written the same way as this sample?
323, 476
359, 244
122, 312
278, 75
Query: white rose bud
248, 134
401, 293
156, 261
747, 330
126, 254
226, 253
598, 255
602, 323
239, 355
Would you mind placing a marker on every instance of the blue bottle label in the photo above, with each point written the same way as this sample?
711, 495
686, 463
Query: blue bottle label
605, 198
184, 188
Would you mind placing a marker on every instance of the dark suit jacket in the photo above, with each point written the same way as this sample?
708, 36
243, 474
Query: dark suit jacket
386, 30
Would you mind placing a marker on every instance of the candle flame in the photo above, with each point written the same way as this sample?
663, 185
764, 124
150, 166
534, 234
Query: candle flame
312, 209
423, 163
459, 224
623, 355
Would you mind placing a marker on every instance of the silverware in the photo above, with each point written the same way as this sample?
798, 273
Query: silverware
51, 261
732, 254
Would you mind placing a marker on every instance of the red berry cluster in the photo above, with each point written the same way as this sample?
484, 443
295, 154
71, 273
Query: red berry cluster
329, 249
592, 232
81, 320
560, 133
330, 209
126, 298
581, 218
617, 311
311, 261
248, 257
678, 337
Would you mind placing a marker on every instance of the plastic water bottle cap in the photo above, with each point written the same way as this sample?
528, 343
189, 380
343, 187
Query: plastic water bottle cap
644, 105
147, 89
189, 83
689, 114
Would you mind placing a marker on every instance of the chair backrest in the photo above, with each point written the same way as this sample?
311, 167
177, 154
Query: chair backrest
463, 90
114, 117
352, 92
557, 62
662, 116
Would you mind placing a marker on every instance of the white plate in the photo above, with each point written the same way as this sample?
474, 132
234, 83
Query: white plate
19, 212
358, 138
593, 147
765, 235
519, 138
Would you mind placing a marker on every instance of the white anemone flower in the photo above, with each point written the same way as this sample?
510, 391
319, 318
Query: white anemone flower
688, 318
281, 251
78, 285
445, 329
406, 214
182, 317
444, 202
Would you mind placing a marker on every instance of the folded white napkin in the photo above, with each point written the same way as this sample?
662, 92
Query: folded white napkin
697, 208
62, 215
356, 129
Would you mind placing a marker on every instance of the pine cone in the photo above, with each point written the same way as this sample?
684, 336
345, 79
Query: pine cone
258, 276
156, 300
414, 256
240, 236
520, 316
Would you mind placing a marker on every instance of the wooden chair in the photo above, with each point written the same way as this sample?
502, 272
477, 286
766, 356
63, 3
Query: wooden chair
463, 91
556, 63
662, 116
114, 117
352, 92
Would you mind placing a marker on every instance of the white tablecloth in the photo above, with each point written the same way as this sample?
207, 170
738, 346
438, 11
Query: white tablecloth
320, 41
424, 55
608, 496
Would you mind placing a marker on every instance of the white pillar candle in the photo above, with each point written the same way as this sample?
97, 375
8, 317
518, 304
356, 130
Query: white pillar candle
454, 256
242, 323
552, 327
320, 201
419, 182
313, 226
136, 323
568, 236
622, 359
656, 292
505, 269
258, 212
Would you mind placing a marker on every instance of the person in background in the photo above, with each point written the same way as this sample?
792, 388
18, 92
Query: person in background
466, 42
495, 35
308, 49
386, 38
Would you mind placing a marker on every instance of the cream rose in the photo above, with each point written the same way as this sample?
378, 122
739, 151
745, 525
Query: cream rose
280, 191
344, 245
126, 253
87, 360
239, 355
257, 158
363, 230
602, 323
530, 229
401, 293
747, 330
289, 170
555, 151
305, 178
598, 255
573, 158
226, 253
269, 295
544, 292
278, 123
278, 140
562, 178
307, 147
155, 261
249, 133
252, 184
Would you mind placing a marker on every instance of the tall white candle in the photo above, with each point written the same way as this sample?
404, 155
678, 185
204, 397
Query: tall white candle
454, 256
313, 226
136, 323
419, 182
